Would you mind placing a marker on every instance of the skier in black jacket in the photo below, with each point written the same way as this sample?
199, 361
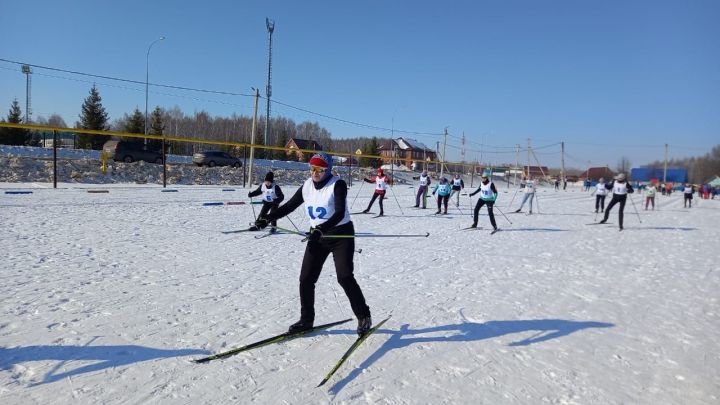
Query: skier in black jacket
620, 189
325, 198
272, 196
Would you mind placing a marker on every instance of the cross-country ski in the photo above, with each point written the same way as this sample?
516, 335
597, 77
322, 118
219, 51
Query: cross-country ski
532, 189
274, 339
351, 350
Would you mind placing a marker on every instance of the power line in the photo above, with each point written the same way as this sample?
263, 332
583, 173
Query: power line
225, 93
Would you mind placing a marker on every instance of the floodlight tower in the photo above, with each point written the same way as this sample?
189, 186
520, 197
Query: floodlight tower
270, 24
27, 71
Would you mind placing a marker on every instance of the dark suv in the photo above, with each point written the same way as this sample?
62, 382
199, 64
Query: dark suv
129, 151
215, 158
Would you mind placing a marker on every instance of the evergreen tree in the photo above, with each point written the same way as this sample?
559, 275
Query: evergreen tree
156, 128
370, 148
95, 117
14, 136
135, 124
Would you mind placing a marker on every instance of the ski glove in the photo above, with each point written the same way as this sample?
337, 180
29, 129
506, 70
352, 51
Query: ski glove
314, 235
261, 222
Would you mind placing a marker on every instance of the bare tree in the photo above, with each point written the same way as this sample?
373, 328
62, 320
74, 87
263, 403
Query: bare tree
624, 165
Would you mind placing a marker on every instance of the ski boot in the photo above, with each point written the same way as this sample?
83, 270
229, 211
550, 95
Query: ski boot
364, 325
300, 326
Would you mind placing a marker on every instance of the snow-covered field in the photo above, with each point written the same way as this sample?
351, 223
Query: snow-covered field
106, 298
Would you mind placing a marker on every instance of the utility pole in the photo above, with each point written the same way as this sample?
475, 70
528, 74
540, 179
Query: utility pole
528, 159
270, 24
517, 160
252, 137
437, 155
442, 164
665, 169
562, 161
27, 71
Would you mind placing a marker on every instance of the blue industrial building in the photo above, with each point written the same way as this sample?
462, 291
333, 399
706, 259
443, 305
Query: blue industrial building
644, 174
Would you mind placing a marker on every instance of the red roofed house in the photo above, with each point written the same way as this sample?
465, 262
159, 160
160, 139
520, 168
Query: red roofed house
406, 152
594, 173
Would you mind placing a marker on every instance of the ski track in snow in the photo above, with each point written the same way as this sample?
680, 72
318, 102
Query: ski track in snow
107, 297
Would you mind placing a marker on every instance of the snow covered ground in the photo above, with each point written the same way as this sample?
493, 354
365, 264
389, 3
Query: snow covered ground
106, 298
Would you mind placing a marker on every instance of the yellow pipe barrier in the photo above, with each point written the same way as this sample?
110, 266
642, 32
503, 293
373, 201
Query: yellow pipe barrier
203, 141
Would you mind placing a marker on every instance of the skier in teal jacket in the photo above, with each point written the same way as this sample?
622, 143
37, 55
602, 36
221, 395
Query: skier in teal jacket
443, 189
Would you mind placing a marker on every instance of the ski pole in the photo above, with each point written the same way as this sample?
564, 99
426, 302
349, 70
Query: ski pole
289, 230
396, 200
636, 211
458, 205
253, 208
537, 202
596, 212
293, 223
513, 199
503, 214
358, 193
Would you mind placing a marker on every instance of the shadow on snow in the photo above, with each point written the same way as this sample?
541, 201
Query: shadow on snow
103, 357
661, 228
534, 230
470, 332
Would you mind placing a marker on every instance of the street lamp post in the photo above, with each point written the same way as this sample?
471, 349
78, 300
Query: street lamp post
147, 81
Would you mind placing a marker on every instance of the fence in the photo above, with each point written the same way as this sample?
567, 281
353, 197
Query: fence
84, 165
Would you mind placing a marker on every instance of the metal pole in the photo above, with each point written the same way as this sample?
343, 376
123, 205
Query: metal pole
528, 159
665, 167
55, 140
350, 158
164, 163
252, 138
392, 160
562, 160
147, 82
270, 24
244, 164
444, 158
26, 69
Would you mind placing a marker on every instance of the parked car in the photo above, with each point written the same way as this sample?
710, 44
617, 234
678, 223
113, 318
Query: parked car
215, 158
131, 151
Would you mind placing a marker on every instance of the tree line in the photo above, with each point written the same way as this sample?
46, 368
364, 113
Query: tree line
700, 169
174, 122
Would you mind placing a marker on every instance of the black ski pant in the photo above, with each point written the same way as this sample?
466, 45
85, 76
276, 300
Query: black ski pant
315, 255
268, 207
478, 205
443, 199
617, 198
687, 200
372, 201
599, 202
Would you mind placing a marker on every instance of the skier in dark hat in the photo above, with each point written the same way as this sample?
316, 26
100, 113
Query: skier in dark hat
272, 196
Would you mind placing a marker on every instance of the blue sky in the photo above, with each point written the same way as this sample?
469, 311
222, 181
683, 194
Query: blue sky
609, 78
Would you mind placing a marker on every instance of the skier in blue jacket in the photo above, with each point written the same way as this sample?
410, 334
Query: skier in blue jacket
443, 190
